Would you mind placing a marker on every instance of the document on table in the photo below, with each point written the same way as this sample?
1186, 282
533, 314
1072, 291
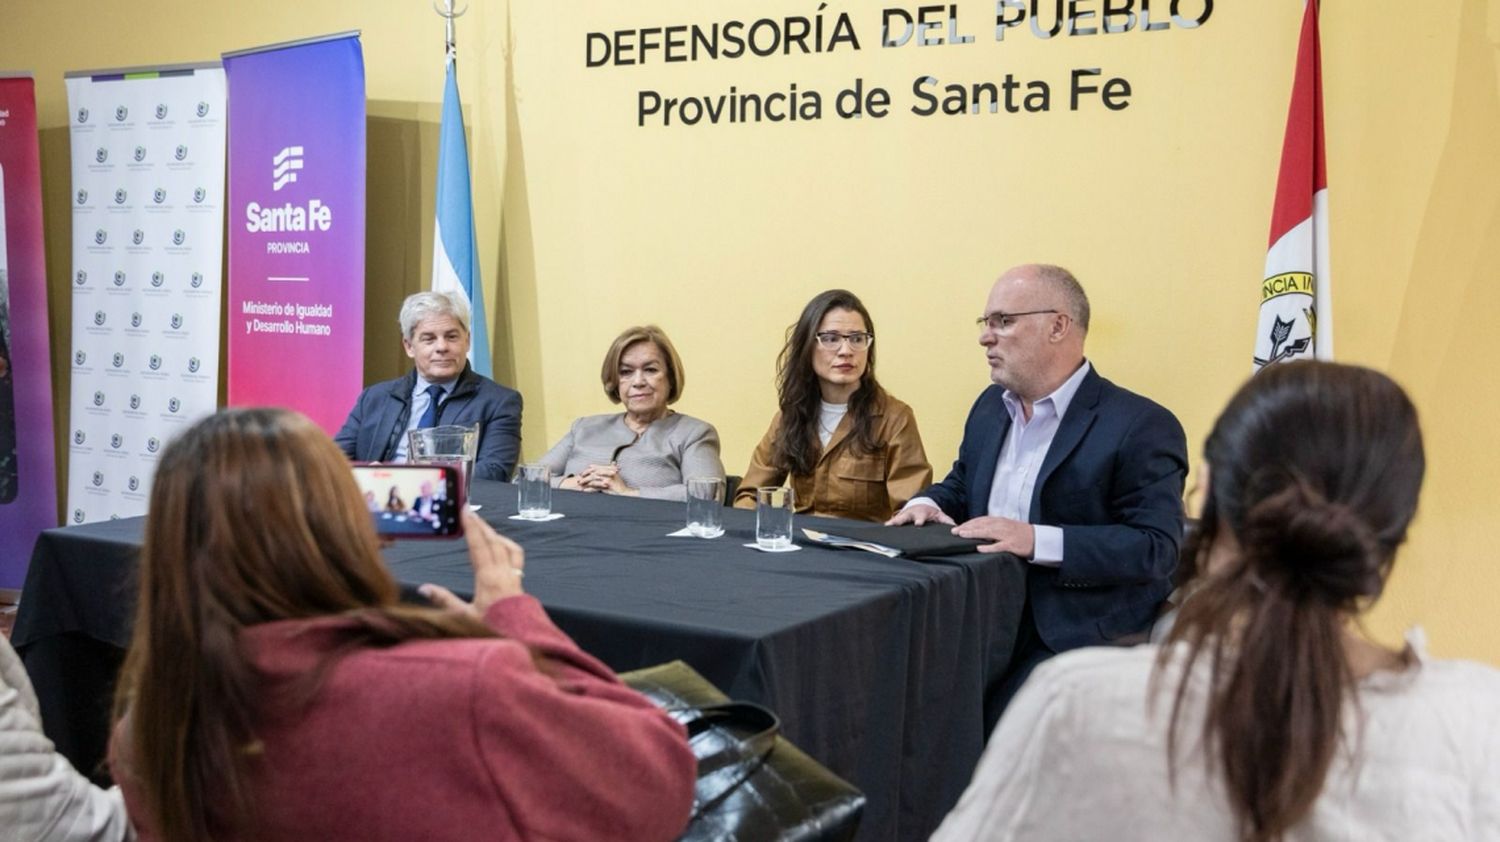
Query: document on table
849, 543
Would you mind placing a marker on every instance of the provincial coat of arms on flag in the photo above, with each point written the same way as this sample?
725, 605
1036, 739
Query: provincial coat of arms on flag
1296, 285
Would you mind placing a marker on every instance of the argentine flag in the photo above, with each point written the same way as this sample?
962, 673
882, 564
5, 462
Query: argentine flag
455, 261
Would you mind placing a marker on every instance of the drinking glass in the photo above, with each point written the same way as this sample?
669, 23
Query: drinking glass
535, 492
773, 517
705, 506
446, 445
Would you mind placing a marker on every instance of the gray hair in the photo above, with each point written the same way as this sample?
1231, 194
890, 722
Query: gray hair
421, 306
1063, 281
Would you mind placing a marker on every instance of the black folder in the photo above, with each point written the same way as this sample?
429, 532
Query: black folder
931, 539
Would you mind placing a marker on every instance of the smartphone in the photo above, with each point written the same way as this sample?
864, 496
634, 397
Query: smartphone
412, 501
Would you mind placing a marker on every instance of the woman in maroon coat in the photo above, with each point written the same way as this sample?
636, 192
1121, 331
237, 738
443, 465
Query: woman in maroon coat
276, 688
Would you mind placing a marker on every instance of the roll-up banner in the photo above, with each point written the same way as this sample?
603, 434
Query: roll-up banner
297, 226
28, 490
148, 217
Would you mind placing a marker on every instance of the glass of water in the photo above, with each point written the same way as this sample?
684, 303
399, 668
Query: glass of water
447, 445
773, 517
535, 497
705, 506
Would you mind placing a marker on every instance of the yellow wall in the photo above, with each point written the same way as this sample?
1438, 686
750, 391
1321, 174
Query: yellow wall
720, 233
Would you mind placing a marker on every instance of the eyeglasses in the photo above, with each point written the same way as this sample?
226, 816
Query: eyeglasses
830, 340
1001, 322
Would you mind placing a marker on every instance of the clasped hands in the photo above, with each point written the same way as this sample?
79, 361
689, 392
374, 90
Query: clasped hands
1005, 535
605, 478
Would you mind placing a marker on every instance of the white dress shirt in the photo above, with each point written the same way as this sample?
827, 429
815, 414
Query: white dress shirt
419, 404
1026, 445
1020, 462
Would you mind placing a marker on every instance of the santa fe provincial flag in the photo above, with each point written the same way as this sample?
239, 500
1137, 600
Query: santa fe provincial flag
455, 258
1296, 304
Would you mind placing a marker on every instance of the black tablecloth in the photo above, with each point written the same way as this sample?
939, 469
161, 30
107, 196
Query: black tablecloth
877, 666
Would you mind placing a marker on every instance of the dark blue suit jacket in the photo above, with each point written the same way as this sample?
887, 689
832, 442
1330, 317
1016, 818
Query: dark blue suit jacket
379, 417
1112, 480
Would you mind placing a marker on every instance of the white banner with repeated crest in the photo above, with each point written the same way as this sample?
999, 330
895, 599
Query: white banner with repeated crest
148, 221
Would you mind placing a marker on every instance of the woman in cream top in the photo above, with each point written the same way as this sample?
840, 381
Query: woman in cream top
1267, 714
42, 798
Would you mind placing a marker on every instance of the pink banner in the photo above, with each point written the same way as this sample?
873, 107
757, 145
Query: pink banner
28, 489
297, 227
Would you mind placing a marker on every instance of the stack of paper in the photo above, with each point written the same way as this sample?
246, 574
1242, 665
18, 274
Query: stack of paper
849, 543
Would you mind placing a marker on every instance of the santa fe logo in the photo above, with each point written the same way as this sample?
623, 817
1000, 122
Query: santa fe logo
285, 164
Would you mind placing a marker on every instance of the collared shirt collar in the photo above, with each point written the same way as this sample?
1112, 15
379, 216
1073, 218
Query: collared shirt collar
1060, 398
422, 383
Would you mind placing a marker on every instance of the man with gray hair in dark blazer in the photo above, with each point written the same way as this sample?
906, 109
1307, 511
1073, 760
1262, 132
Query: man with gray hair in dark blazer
440, 389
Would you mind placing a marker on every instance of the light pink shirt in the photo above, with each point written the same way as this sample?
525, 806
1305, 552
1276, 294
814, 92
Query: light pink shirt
1020, 463
1021, 456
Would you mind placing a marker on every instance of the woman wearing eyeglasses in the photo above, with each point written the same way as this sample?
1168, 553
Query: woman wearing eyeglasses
1267, 714
850, 449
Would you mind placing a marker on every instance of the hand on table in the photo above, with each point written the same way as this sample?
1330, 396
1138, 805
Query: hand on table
1005, 535
918, 515
498, 567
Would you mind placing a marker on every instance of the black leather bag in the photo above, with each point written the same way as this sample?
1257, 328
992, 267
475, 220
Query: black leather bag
753, 784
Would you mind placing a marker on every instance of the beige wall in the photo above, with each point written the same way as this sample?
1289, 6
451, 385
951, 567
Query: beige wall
720, 233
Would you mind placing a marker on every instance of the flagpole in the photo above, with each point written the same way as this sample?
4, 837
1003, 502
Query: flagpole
1296, 308
448, 14
455, 259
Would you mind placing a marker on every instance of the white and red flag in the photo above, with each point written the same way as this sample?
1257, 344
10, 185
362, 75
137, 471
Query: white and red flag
1296, 304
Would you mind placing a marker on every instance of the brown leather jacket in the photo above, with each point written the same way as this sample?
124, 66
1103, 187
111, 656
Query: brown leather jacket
846, 483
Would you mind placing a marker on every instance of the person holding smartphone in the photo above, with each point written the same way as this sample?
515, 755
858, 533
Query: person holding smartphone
276, 687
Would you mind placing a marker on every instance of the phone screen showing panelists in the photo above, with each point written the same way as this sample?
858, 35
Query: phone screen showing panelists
409, 501
8, 474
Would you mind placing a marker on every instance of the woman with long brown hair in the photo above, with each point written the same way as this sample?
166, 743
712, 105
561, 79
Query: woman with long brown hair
276, 688
1268, 714
849, 448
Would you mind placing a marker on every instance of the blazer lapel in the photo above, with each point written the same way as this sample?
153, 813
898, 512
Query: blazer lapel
984, 472
466, 385
393, 420
1081, 415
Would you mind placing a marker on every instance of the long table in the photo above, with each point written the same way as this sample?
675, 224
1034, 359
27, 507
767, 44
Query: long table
877, 666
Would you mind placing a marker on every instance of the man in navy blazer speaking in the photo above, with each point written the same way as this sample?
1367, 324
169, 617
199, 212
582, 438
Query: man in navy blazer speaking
1078, 477
440, 389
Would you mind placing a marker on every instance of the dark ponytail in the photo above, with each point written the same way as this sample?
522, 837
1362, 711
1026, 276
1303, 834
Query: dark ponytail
1315, 470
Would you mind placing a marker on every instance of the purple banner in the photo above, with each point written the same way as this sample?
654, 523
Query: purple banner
28, 489
297, 227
